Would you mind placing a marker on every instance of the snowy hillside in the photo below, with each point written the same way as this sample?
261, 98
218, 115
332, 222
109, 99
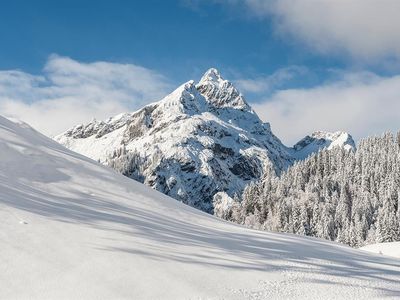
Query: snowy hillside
201, 139
73, 229
351, 197
390, 248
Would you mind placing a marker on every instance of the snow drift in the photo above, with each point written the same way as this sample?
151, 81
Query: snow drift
389, 248
73, 229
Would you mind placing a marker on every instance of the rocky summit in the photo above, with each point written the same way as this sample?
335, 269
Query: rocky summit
200, 140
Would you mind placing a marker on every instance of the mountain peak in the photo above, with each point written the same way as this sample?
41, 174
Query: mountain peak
220, 92
211, 74
199, 140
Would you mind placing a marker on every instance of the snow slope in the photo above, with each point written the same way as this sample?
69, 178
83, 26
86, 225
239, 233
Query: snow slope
199, 140
71, 228
390, 249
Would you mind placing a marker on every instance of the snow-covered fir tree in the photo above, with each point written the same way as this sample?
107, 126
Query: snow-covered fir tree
348, 196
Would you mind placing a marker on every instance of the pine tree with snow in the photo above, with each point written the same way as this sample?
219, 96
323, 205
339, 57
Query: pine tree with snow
348, 196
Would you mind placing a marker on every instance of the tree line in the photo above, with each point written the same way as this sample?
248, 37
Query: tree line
347, 196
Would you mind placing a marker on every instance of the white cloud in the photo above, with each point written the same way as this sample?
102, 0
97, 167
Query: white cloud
360, 103
70, 92
268, 83
364, 29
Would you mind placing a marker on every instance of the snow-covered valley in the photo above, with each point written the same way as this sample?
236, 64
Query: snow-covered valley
74, 229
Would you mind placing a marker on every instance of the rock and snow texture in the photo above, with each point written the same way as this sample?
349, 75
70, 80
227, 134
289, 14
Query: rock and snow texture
201, 139
390, 249
322, 140
74, 229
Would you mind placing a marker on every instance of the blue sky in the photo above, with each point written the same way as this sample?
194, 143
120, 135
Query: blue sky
178, 38
285, 56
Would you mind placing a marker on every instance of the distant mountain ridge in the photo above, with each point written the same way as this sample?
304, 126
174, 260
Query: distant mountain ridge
199, 140
320, 140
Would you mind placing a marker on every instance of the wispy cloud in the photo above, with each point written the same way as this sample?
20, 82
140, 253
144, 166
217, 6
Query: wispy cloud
265, 84
360, 103
365, 30
70, 92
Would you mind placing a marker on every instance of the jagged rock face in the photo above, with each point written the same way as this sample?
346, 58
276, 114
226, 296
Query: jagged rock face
220, 93
199, 140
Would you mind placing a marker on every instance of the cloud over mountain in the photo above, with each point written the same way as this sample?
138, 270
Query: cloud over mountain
69, 91
361, 103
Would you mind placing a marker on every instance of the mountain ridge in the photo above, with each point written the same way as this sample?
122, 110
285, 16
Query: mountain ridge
199, 140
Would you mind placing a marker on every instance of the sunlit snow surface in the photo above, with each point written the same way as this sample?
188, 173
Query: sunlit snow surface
390, 249
73, 229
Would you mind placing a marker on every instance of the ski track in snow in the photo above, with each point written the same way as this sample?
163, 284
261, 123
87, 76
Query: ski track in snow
90, 233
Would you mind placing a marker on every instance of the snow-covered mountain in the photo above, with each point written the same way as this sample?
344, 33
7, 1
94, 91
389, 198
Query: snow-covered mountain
73, 229
320, 140
201, 139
